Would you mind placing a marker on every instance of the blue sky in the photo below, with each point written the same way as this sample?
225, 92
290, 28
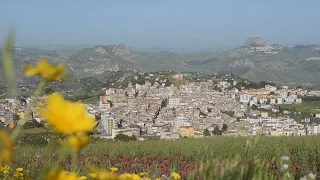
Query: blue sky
161, 23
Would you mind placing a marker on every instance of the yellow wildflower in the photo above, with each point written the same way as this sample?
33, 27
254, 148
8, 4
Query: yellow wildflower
45, 70
127, 176
76, 141
6, 148
175, 176
18, 173
19, 169
158, 178
102, 175
93, 175
66, 117
114, 169
135, 177
5, 169
143, 174
82, 178
61, 175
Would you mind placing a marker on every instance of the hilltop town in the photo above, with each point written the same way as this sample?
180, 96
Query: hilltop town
186, 105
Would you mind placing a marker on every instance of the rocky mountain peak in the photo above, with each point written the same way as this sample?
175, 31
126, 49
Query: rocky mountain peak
100, 49
122, 50
123, 46
255, 42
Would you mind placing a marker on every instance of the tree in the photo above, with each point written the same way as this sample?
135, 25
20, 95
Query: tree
33, 124
254, 107
111, 104
224, 127
216, 131
262, 84
206, 132
238, 119
48, 91
126, 138
229, 113
272, 93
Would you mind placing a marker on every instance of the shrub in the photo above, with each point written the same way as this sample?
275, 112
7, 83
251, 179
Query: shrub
123, 137
33, 124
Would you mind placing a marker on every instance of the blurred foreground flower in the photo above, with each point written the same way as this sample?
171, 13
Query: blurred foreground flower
103, 175
82, 178
76, 142
99, 174
45, 70
128, 176
66, 117
61, 175
6, 148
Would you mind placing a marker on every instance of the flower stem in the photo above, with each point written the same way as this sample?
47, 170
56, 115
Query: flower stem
74, 156
19, 126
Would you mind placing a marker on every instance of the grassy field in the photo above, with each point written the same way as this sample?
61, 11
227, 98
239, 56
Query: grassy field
305, 106
182, 156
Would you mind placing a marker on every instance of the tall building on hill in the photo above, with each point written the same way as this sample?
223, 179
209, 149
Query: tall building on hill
107, 123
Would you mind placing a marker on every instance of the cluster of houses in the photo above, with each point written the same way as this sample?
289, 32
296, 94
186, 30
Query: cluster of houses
271, 95
186, 111
156, 111
11, 111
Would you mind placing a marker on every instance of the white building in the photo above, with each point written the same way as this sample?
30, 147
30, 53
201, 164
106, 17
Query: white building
224, 84
245, 98
138, 87
255, 99
181, 121
234, 82
289, 100
283, 94
272, 101
294, 96
314, 93
270, 88
169, 135
316, 129
299, 100
279, 101
174, 102
262, 100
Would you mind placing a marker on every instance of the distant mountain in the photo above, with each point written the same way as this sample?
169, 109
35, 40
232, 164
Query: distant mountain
61, 47
258, 61
255, 60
